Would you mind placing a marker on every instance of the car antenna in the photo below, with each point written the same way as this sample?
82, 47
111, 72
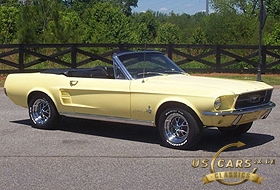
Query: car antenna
143, 81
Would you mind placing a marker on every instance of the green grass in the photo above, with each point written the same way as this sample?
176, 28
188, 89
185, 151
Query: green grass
2, 83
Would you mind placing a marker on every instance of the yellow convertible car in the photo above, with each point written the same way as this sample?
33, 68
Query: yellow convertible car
144, 88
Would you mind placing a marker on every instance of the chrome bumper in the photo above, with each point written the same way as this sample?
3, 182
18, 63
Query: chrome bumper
267, 106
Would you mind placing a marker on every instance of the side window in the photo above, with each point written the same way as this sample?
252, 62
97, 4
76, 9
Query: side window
117, 72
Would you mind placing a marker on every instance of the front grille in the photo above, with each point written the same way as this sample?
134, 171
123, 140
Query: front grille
253, 99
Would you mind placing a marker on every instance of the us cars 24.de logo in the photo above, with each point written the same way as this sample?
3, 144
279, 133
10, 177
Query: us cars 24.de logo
240, 176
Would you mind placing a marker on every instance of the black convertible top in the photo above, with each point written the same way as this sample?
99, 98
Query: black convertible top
95, 72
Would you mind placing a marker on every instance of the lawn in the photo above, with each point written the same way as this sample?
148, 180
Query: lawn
1, 83
2, 80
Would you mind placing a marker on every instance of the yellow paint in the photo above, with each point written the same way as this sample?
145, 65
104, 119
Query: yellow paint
135, 99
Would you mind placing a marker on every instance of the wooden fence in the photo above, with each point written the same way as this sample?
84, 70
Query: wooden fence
193, 58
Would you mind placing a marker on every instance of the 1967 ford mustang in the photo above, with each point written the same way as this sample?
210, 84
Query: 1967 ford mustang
144, 88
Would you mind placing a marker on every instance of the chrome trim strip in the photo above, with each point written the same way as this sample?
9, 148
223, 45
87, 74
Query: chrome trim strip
122, 67
264, 116
269, 105
108, 119
236, 120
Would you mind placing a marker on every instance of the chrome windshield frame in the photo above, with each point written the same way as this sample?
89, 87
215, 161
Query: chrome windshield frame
122, 67
128, 76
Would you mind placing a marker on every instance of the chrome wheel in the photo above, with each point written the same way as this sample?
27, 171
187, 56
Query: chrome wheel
176, 129
40, 111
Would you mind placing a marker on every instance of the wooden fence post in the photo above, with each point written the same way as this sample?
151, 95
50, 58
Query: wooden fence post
218, 58
170, 51
21, 57
263, 65
121, 48
74, 56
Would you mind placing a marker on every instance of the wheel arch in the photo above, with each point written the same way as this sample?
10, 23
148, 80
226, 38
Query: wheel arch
39, 120
176, 104
36, 92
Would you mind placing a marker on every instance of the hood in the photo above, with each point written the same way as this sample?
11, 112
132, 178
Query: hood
208, 84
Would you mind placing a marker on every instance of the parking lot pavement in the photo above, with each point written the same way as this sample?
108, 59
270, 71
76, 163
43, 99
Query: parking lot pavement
83, 154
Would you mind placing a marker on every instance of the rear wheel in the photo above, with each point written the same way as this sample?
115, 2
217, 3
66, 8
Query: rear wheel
179, 129
235, 130
42, 112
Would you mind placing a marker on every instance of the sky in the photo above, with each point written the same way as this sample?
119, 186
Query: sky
166, 6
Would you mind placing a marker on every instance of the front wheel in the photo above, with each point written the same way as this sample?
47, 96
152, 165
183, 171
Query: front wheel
179, 129
42, 112
235, 130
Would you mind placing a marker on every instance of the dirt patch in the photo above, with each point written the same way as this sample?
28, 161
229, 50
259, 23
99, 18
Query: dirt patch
3, 77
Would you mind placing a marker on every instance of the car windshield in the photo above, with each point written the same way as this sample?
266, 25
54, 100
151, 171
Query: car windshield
147, 64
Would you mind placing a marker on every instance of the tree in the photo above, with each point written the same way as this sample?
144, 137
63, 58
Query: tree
198, 37
145, 25
126, 5
273, 7
186, 24
105, 23
143, 35
168, 34
8, 26
230, 29
236, 6
28, 28
9, 2
273, 38
65, 27
34, 19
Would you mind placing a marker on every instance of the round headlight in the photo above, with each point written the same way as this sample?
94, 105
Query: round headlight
217, 103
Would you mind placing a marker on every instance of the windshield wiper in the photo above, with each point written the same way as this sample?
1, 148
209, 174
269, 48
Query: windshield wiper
173, 71
151, 73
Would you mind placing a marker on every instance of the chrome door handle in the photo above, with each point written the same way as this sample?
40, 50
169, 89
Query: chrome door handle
73, 82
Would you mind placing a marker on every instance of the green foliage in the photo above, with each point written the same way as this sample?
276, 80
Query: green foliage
235, 6
110, 21
8, 26
125, 5
199, 37
230, 29
186, 25
143, 35
274, 37
34, 18
28, 28
273, 7
168, 34
105, 23
145, 26
65, 27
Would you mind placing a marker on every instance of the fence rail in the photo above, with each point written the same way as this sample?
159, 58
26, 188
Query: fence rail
193, 58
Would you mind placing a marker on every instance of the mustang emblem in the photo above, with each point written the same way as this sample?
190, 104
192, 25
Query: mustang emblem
255, 98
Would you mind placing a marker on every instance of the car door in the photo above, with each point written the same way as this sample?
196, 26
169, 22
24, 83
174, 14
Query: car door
105, 97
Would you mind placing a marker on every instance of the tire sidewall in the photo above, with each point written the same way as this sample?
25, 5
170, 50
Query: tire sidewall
52, 120
193, 129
